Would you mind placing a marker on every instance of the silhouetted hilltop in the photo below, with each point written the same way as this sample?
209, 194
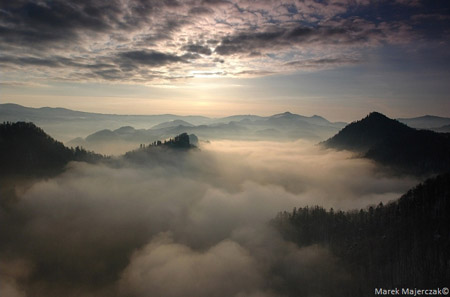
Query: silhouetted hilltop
180, 142
168, 152
405, 243
396, 145
26, 149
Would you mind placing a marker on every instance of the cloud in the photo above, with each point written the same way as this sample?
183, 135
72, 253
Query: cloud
165, 268
200, 10
244, 42
277, 39
184, 223
245, 36
30, 23
326, 62
20, 84
200, 49
268, 267
150, 58
11, 273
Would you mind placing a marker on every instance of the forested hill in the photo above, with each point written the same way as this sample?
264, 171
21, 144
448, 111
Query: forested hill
26, 149
391, 143
405, 243
167, 151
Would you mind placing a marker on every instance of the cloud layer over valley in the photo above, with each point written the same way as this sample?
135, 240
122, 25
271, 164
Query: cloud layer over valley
184, 224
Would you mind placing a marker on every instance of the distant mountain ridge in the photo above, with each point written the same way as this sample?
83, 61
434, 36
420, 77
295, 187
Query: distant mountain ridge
173, 123
396, 145
284, 126
66, 125
429, 122
443, 129
315, 119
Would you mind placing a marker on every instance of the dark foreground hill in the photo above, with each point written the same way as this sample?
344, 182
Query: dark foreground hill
405, 243
27, 153
26, 149
391, 143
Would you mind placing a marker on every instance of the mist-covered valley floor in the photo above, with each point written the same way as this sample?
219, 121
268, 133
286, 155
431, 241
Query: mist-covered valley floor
190, 223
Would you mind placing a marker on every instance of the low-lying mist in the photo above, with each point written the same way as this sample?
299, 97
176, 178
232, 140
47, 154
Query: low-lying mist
185, 223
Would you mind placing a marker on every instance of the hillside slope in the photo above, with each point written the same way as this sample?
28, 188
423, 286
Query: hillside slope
405, 243
26, 149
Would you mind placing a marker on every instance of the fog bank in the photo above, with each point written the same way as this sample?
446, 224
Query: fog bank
184, 223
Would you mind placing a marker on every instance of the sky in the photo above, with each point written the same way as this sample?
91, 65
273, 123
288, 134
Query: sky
340, 59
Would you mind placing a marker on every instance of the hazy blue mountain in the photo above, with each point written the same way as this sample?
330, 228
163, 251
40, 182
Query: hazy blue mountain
237, 118
103, 135
396, 245
286, 126
11, 112
396, 145
288, 117
426, 122
98, 131
443, 129
126, 130
65, 124
173, 123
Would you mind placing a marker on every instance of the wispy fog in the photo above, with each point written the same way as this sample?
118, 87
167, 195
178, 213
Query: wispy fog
184, 223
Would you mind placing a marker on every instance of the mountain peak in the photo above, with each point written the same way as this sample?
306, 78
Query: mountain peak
173, 123
394, 144
285, 114
376, 115
363, 134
